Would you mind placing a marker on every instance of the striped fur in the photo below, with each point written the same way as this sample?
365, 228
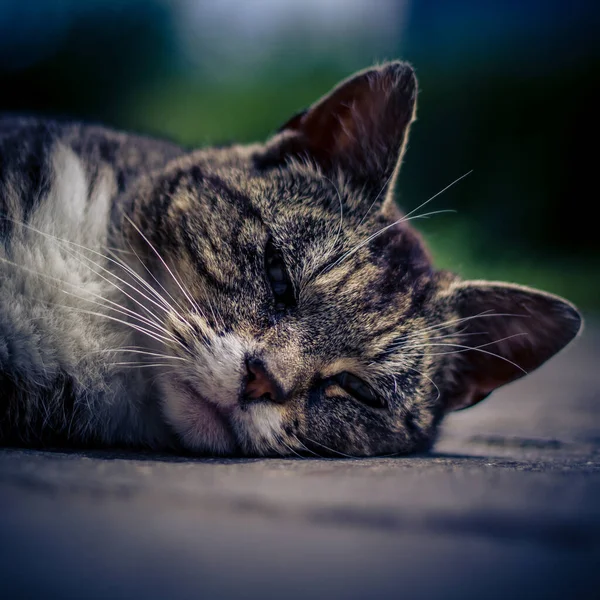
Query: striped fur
134, 289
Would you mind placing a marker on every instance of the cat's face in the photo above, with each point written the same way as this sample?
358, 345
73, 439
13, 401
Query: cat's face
304, 314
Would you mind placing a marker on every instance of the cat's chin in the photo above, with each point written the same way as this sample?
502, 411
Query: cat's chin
201, 425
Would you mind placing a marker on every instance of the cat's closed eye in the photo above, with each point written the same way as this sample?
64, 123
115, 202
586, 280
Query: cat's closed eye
358, 389
283, 291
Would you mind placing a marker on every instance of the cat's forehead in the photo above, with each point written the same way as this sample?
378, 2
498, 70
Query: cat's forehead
352, 310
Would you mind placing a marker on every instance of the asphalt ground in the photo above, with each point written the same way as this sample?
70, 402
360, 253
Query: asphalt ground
507, 506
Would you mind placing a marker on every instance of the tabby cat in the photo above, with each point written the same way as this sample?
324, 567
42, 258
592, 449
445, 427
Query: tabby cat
258, 300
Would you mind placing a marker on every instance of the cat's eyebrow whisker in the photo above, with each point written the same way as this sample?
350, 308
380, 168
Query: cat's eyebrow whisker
387, 181
439, 193
445, 336
337, 191
378, 233
410, 342
484, 314
476, 349
403, 219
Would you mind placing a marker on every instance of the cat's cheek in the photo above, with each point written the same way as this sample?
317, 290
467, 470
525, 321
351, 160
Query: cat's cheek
199, 425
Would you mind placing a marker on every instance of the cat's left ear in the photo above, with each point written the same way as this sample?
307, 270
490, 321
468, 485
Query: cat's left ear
360, 128
506, 331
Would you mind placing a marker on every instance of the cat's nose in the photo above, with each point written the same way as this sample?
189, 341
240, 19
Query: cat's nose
260, 384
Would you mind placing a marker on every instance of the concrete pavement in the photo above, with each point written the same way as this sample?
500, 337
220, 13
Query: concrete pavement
508, 506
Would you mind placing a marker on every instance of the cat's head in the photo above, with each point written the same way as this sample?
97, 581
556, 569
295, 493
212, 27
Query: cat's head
302, 311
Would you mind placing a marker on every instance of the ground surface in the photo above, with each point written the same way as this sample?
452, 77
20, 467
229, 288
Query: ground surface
507, 507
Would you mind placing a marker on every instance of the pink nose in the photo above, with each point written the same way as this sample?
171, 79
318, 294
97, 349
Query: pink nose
259, 384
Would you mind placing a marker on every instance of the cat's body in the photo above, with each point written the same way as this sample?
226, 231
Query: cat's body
257, 299
56, 383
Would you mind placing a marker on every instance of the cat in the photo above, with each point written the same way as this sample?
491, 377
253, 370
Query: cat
264, 299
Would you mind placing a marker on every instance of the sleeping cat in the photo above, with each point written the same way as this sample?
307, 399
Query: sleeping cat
257, 300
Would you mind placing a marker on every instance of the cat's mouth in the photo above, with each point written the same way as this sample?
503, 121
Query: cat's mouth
204, 420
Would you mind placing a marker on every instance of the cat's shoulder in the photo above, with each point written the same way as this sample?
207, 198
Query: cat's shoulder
28, 143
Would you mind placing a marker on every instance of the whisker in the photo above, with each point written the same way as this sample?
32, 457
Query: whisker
429, 379
122, 310
403, 219
477, 349
484, 314
153, 334
87, 249
143, 352
303, 447
281, 441
157, 282
149, 333
374, 201
180, 285
378, 233
141, 365
327, 448
341, 215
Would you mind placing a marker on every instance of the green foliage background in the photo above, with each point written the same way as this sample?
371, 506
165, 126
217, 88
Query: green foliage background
507, 90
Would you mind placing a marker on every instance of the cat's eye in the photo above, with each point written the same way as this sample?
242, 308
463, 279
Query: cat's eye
283, 291
358, 389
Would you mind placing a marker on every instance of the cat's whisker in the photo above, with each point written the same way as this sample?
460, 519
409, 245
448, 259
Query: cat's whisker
341, 225
124, 311
143, 352
176, 279
149, 333
439, 193
409, 343
304, 447
105, 257
146, 285
484, 314
477, 349
135, 289
439, 393
60, 281
403, 219
290, 449
170, 306
328, 448
140, 365
378, 233
383, 187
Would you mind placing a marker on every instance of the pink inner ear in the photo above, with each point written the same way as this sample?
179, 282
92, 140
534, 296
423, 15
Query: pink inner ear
359, 128
519, 329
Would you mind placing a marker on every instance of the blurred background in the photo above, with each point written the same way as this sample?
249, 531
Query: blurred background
509, 89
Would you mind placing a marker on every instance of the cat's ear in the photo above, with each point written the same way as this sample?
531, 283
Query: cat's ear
511, 329
360, 128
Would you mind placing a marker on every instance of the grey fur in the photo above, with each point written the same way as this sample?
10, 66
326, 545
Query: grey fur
121, 249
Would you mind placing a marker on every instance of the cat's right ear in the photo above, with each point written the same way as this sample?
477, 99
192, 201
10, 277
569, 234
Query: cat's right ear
359, 129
